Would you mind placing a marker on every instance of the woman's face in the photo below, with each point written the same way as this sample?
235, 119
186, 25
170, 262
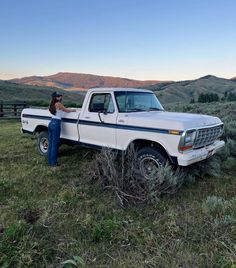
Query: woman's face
59, 98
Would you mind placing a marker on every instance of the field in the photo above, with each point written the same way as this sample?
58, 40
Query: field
55, 218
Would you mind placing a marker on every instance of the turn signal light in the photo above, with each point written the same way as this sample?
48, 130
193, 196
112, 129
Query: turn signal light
174, 132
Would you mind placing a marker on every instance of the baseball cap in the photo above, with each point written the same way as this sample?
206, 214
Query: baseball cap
56, 94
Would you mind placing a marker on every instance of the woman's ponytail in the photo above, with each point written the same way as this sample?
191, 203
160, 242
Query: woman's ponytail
52, 107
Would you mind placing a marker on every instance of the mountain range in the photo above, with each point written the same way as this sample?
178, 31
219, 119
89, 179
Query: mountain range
79, 81
71, 84
184, 91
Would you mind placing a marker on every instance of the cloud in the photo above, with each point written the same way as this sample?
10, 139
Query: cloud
7, 75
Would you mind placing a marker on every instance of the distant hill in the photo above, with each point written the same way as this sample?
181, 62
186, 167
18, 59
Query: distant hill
167, 92
233, 78
78, 81
17, 92
184, 91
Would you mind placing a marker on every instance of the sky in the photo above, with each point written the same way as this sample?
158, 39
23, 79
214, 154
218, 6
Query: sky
136, 39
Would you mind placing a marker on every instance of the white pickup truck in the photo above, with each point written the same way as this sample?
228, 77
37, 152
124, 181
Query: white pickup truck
119, 117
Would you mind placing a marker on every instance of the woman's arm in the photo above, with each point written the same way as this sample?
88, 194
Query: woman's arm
60, 106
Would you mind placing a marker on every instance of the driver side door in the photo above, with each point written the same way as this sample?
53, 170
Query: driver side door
97, 124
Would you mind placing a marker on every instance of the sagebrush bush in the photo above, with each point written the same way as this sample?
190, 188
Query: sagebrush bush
219, 210
215, 205
232, 206
121, 174
229, 149
230, 129
210, 167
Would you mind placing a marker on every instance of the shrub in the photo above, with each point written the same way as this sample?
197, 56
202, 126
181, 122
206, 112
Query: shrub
214, 205
121, 174
230, 129
210, 167
228, 150
221, 211
231, 96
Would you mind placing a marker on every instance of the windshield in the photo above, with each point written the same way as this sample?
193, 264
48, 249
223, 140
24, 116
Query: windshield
137, 102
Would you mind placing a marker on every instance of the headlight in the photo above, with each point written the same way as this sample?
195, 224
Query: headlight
187, 140
190, 137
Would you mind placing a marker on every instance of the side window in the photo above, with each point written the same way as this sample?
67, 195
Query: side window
108, 104
121, 101
101, 103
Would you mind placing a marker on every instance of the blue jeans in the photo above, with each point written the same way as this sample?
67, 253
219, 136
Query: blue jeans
54, 131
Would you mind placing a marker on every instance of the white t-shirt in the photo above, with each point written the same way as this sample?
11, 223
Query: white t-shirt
59, 114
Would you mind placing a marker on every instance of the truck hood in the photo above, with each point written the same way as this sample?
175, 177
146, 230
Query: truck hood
171, 120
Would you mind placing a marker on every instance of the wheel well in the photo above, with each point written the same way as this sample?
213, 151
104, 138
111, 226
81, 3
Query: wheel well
40, 129
139, 144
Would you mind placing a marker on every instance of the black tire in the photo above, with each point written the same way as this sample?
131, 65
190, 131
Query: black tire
42, 143
149, 161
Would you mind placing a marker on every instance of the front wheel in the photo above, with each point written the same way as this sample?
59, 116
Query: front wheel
42, 143
149, 161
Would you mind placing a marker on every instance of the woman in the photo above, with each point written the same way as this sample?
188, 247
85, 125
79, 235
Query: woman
57, 110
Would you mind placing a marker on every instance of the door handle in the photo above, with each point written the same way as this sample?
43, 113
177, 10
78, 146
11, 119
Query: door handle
87, 117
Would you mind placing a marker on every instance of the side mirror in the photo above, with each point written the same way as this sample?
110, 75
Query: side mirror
102, 112
99, 115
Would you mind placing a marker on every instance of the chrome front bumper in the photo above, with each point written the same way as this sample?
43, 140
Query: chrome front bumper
193, 156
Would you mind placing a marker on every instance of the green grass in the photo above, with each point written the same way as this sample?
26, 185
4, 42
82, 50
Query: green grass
51, 216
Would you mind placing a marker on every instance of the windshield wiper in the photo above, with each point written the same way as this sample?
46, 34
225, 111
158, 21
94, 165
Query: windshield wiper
154, 109
135, 110
144, 110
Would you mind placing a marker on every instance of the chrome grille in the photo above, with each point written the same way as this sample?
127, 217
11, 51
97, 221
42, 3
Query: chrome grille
206, 136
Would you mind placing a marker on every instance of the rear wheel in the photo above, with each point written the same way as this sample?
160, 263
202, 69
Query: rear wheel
42, 143
149, 161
